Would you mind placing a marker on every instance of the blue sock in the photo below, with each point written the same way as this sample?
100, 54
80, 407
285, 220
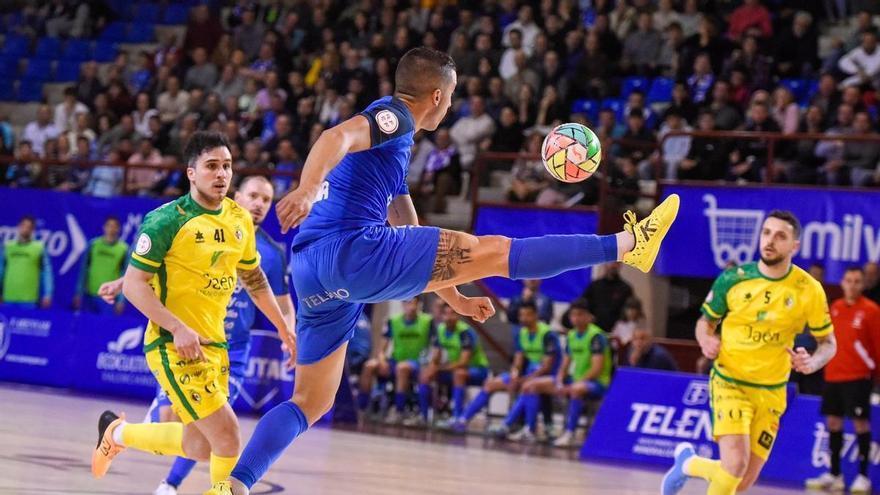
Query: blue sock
574, 414
275, 431
363, 400
457, 401
538, 257
424, 399
179, 470
532, 403
476, 406
518, 408
399, 401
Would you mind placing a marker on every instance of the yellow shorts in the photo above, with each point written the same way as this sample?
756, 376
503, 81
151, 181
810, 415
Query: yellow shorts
739, 409
196, 389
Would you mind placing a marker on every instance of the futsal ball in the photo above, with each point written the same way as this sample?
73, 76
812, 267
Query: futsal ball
571, 152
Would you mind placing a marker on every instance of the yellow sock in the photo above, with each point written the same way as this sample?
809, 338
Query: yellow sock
723, 483
720, 481
221, 467
701, 467
155, 438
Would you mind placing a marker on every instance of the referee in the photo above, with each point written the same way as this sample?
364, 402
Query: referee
848, 384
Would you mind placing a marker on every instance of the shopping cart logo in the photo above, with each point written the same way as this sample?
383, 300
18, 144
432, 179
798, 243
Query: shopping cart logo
734, 232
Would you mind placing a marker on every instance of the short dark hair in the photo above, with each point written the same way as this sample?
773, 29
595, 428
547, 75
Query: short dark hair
113, 218
421, 70
528, 305
28, 218
580, 303
787, 216
201, 142
854, 268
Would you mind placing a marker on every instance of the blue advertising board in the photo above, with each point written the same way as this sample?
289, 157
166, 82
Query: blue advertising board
531, 221
103, 355
647, 413
719, 224
66, 222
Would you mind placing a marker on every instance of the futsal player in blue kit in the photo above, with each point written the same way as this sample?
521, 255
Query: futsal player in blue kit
254, 194
346, 254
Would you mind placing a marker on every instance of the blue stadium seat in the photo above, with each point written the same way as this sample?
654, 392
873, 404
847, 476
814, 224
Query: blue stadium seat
798, 87
141, 33
38, 69
8, 67
7, 90
812, 89
631, 84
78, 50
114, 32
590, 108
176, 14
49, 48
30, 90
105, 51
661, 90
67, 70
15, 46
147, 12
616, 105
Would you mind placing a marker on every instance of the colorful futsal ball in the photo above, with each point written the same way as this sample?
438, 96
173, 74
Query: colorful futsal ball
571, 152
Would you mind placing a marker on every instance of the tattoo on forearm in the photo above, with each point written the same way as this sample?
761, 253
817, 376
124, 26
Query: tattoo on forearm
253, 280
450, 254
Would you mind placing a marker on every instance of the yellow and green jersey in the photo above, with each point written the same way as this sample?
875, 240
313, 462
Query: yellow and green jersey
761, 317
194, 254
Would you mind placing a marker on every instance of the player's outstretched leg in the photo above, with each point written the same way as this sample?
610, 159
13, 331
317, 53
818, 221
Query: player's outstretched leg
675, 478
463, 258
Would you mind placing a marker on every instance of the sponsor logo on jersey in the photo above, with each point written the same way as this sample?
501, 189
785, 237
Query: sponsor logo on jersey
387, 121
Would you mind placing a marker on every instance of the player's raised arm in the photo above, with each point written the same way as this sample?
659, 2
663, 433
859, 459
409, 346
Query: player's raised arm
348, 137
137, 289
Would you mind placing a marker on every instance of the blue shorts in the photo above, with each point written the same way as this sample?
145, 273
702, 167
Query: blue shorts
595, 390
476, 376
392, 364
530, 368
237, 366
335, 276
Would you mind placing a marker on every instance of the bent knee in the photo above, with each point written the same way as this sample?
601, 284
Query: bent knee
313, 406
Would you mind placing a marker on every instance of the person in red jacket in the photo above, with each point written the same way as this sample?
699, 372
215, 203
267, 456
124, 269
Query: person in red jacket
848, 384
748, 15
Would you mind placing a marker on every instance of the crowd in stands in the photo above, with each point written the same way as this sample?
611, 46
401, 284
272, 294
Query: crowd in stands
273, 75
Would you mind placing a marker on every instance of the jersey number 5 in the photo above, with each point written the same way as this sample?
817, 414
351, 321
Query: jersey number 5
219, 235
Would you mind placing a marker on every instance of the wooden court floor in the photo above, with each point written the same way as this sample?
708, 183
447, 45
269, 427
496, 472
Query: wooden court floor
46, 438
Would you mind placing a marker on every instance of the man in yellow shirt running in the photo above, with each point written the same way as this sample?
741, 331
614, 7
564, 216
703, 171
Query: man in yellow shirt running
763, 305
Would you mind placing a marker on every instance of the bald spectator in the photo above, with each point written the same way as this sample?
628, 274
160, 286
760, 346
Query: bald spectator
468, 132
641, 48
643, 352
202, 74
172, 102
41, 130
142, 180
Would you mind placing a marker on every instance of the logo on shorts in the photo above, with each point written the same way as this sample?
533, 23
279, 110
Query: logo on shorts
328, 295
144, 243
387, 121
765, 439
196, 397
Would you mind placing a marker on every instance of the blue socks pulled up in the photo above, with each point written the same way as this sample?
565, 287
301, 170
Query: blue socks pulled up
424, 399
457, 401
179, 471
574, 414
275, 431
538, 257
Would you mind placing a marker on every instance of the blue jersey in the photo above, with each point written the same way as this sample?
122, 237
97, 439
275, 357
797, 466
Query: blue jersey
359, 189
242, 311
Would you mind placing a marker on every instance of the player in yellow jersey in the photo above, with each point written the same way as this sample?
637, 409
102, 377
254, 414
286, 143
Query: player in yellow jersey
182, 273
764, 305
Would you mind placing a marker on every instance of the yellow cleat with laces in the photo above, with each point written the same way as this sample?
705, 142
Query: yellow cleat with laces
649, 233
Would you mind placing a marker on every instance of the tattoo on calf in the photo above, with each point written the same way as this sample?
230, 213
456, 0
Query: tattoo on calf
450, 254
253, 280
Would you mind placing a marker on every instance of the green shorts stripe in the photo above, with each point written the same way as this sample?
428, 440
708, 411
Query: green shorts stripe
170, 375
